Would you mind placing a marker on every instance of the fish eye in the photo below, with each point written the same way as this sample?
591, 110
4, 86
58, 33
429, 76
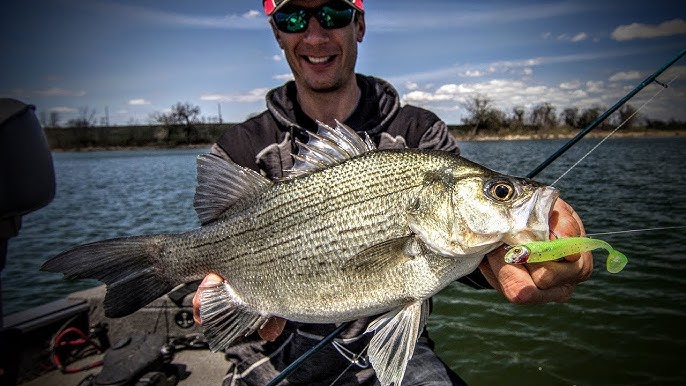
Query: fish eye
500, 190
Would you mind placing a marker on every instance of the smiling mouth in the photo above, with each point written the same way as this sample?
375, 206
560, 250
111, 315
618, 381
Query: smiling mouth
319, 59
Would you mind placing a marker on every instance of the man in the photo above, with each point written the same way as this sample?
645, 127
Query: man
319, 39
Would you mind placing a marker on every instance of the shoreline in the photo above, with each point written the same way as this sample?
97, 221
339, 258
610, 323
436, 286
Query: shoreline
460, 138
569, 135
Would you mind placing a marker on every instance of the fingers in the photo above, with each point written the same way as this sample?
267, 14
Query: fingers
575, 269
518, 285
210, 280
542, 282
270, 330
565, 222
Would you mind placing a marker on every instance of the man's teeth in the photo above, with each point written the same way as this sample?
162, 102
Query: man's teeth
317, 60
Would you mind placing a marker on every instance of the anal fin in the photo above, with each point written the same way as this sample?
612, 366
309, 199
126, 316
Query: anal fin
223, 318
395, 335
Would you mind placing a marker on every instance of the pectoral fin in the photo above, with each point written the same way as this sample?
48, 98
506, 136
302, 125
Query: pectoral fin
384, 256
224, 318
395, 336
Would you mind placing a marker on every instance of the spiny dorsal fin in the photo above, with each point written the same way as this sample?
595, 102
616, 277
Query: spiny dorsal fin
329, 146
220, 184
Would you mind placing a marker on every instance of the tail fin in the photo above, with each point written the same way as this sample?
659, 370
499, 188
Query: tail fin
124, 264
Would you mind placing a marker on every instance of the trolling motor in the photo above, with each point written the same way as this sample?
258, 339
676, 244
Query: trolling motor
27, 183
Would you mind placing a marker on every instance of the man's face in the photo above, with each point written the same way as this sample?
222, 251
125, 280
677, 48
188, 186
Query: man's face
321, 59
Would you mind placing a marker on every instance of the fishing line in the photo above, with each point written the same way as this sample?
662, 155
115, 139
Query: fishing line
650, 79
636, 230
664, 86
355, 359
294, 365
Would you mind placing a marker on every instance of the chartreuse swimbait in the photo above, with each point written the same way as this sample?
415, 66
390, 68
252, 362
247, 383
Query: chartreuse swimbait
540, 251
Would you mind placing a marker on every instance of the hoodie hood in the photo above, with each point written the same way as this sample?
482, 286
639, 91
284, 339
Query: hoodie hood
378, 105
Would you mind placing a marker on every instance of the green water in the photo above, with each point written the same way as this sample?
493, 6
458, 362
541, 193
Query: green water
622, 329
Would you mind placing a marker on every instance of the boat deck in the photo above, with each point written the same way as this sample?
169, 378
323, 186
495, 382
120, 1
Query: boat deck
203, 368
170, 317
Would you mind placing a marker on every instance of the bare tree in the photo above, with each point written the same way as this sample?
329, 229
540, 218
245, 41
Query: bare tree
54, 119
517, 120
180, 114
626, 113
570, 116
86, 118
588, 116
543, 116
482, 115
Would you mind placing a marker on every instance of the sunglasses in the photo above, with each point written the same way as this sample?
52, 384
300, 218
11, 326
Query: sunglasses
330, 16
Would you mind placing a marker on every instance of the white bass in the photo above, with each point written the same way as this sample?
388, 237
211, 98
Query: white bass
353, 232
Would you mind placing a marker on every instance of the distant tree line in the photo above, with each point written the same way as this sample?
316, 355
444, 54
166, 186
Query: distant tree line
482, 116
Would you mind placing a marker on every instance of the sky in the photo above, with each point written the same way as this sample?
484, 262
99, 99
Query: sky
123, 60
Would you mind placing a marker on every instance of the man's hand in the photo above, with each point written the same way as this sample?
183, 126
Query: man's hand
542, 282
270, 330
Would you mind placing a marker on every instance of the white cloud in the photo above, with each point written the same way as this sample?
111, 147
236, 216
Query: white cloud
579, 37
473, 73
138, 102
647, 31
573, 85
577, 94
625, 75
419, 97
594, 86
573, 38
284, 77
60, 92
254, 95
411, 85
277, 58
448, 100
252, 14
63, 110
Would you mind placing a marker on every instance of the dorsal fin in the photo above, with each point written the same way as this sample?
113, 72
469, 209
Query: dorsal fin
329, 146
220, 184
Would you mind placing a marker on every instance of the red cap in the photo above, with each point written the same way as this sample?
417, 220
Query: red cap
271, 6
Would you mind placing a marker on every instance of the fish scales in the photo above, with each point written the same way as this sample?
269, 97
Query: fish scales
353, 233
329, 217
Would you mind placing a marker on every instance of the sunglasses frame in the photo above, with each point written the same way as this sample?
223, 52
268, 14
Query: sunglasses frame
321, 14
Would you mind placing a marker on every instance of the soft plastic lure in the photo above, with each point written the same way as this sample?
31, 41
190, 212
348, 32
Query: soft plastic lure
540, 251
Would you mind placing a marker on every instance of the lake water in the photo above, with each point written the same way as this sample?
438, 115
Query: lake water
621, 329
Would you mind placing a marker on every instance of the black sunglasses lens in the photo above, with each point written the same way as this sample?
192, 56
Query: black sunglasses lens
295, 21
334, 17
337, 15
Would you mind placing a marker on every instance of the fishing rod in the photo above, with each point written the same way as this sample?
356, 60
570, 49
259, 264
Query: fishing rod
602, 117
652, 78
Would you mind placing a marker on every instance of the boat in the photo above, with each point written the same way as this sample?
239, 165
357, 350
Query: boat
71, 342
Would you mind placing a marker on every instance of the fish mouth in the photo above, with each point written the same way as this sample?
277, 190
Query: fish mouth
536, 228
